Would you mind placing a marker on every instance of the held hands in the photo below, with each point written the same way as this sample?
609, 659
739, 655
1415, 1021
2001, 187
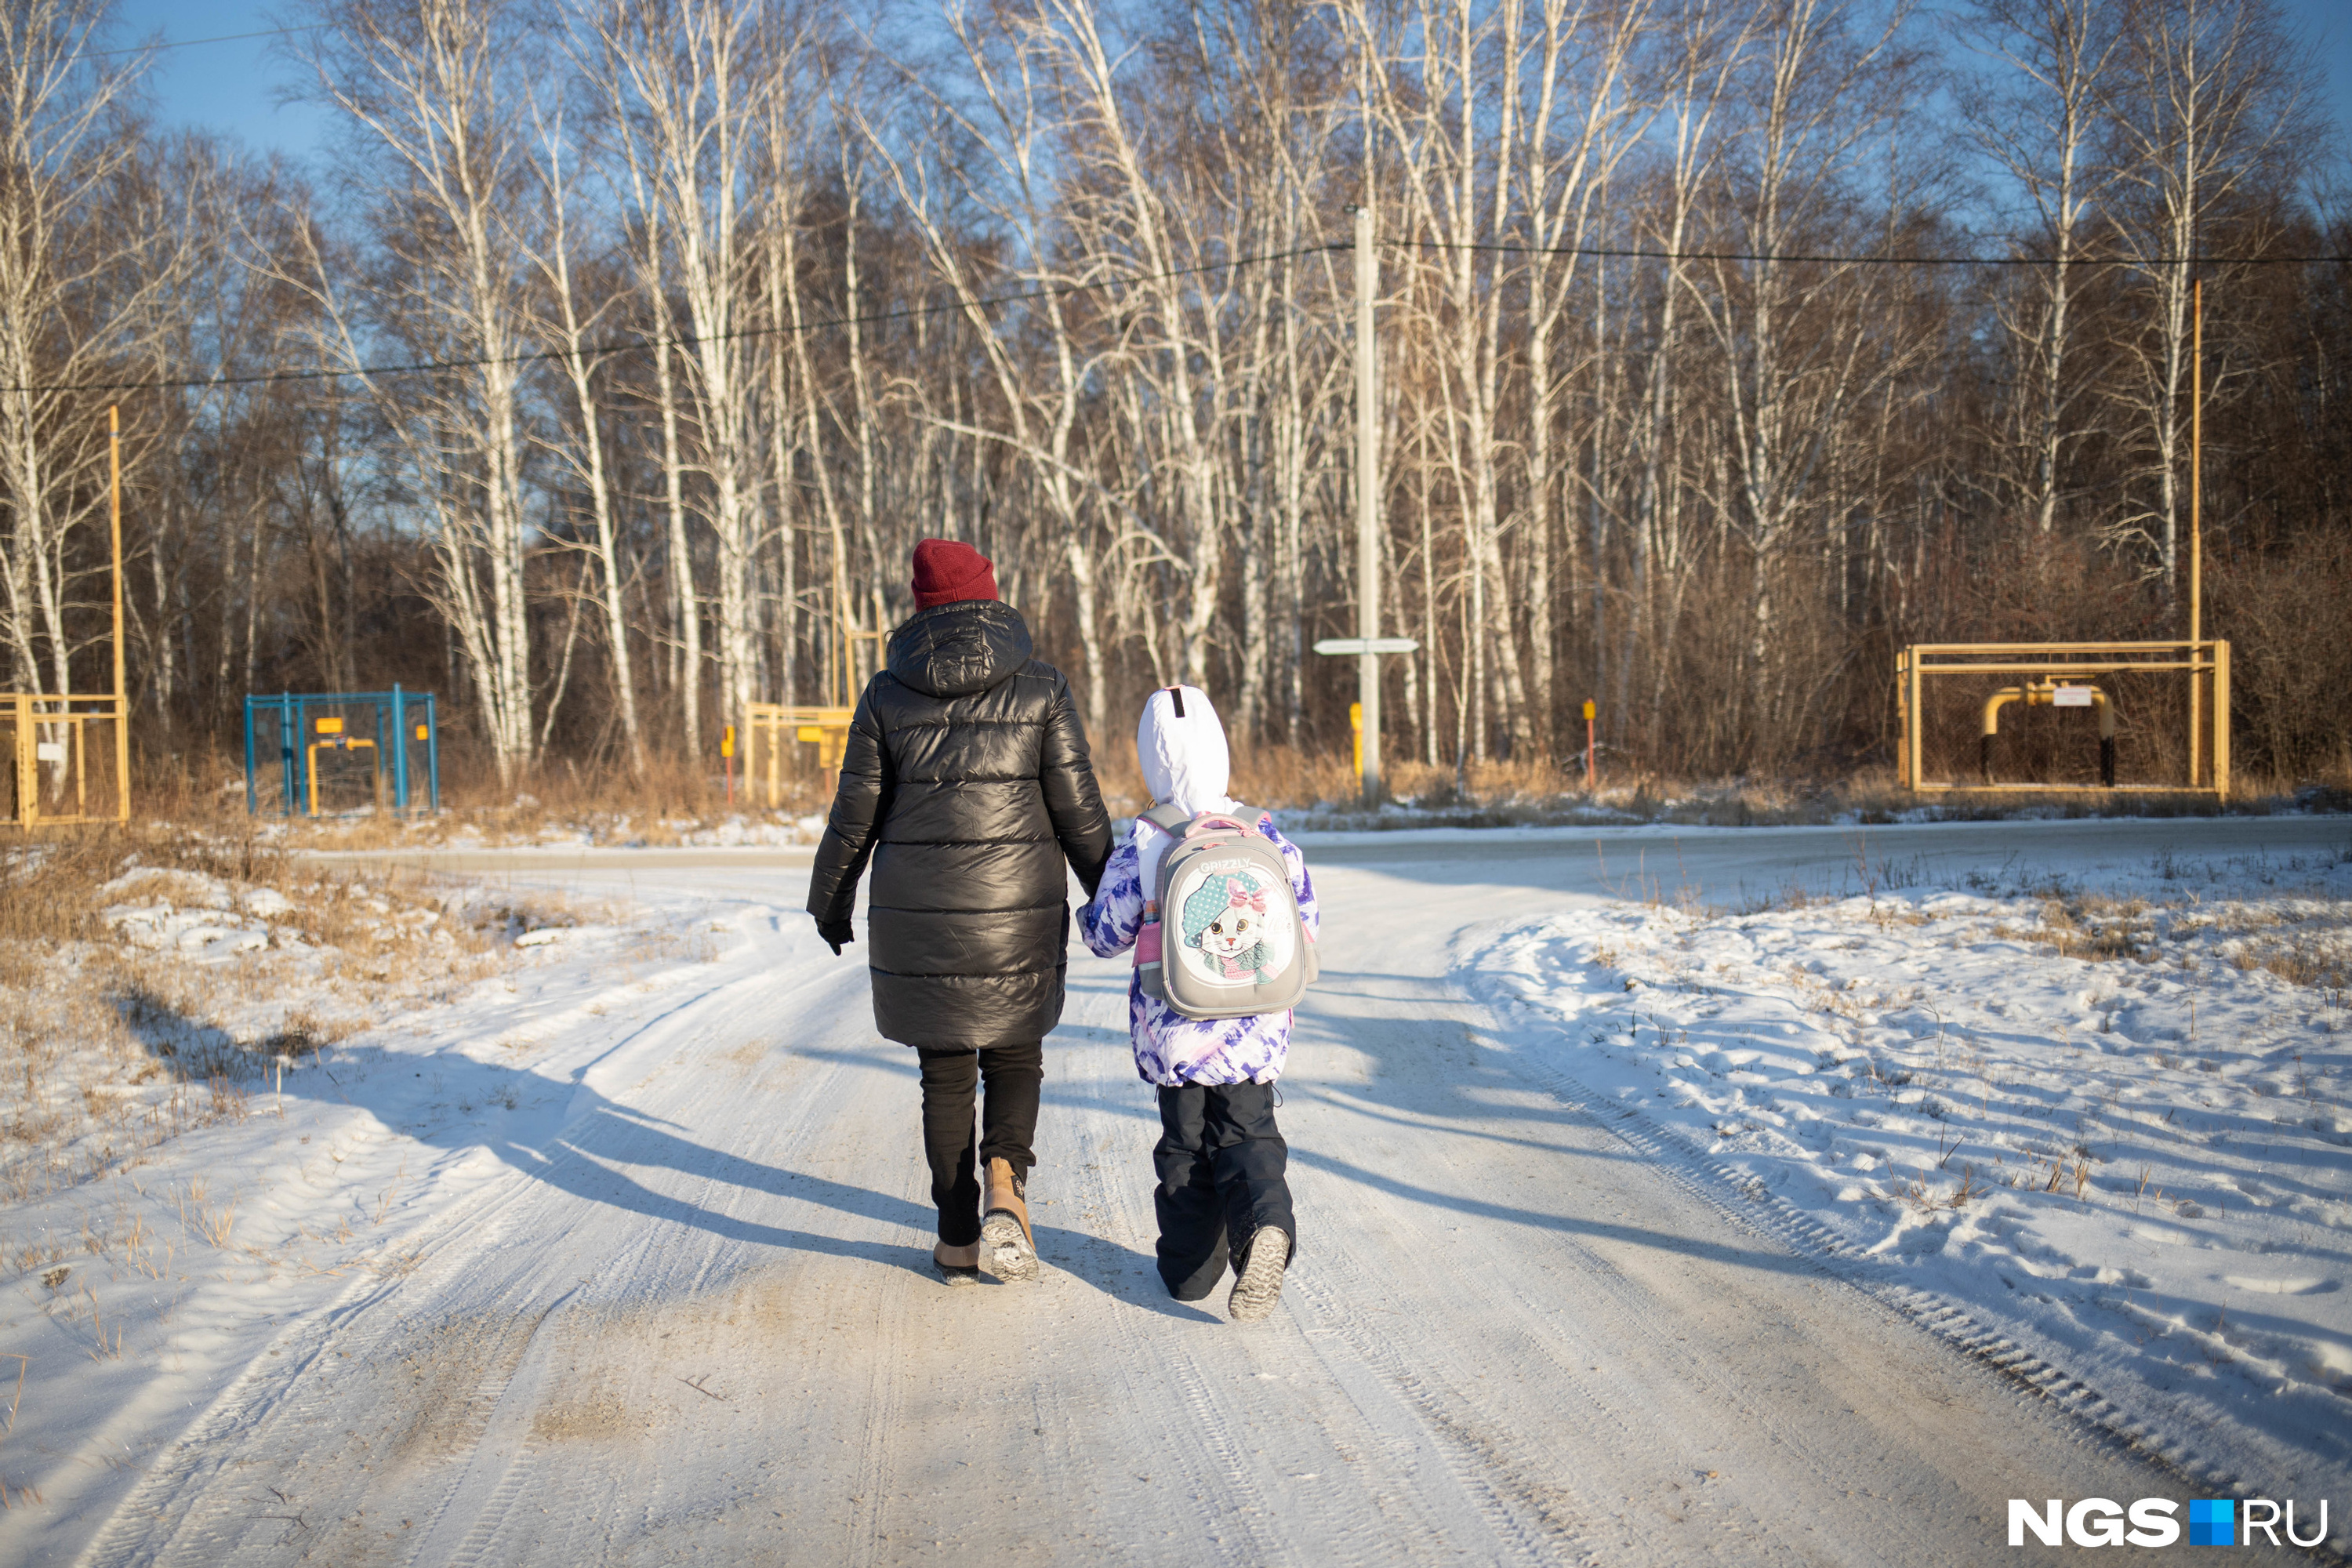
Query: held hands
837, 934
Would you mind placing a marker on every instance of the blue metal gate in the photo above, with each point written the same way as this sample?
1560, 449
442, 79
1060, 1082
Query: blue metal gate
398, 730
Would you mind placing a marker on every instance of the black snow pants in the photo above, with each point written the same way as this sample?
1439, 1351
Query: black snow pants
951, 1079
1220, 1159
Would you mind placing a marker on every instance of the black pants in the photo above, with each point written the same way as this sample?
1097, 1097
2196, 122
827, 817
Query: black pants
1220, 1159
950, 1079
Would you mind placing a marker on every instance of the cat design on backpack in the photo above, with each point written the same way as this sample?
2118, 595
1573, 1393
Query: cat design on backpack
1240, 947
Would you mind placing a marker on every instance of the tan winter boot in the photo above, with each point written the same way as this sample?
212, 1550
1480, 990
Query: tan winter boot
957, 1264
1004, 1224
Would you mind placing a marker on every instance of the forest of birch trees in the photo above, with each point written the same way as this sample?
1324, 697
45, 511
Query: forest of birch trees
603, 370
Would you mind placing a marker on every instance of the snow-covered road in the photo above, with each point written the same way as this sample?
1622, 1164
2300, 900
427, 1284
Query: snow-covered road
689, 1308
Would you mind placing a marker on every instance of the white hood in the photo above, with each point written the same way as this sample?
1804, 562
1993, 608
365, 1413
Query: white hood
1185, 765
1185, 762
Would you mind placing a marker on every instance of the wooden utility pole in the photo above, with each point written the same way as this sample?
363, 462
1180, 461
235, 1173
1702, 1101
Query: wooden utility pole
121, 689
1367, 646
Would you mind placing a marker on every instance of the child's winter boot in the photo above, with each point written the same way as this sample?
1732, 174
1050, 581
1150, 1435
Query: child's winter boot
957, 1264
1258, 1286
1005, 1224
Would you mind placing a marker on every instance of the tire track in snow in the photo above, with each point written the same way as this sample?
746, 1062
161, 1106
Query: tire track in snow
2096, 1422
1754, 1412
282, 1413
1218, 1480
1484, 1458
877, 1461
1528, 1328
662, 1262
1378, 1259
294, 1382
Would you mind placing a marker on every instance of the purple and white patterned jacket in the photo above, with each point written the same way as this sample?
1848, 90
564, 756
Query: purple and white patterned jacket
1221, 1050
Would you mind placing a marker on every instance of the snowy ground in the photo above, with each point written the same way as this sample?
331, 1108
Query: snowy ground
618, 1251
2110, 1110
224, 1180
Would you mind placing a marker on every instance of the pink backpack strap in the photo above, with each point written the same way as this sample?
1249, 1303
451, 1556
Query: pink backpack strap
1169, 821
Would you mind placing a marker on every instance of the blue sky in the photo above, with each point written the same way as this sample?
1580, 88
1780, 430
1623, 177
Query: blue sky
234, 86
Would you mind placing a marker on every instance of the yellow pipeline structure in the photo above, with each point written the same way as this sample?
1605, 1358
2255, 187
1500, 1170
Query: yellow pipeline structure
2042, 694
2043, 671
336, 741
771, 725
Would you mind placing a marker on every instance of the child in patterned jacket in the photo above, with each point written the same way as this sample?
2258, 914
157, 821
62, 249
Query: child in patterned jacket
1220, 1158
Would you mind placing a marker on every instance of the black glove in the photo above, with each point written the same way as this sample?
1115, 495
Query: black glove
838, 933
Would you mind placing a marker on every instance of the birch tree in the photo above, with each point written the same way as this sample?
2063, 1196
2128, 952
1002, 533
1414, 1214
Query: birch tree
1158, 260
1446, 96
574, 320
1584, 117
686, 80
1707, 48
995, 157
2206, 102
2038, 121
88, 254
1792, 337
429, 88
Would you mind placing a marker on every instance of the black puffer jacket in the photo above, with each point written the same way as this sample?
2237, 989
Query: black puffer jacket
967, 782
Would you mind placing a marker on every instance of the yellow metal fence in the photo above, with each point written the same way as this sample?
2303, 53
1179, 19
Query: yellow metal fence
69, 760
2134, 716
783, 741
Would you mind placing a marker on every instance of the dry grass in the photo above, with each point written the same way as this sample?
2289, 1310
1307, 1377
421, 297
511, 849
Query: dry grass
1528, 794
2325, 966
658, 807
672, 799
2305, 941
51, 883
2093, 926
109, 1047
1922, 1197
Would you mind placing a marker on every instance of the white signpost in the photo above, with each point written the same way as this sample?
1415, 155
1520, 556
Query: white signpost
1367, 646
1342, 646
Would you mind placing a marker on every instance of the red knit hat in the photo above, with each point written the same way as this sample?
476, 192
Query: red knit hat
946, 571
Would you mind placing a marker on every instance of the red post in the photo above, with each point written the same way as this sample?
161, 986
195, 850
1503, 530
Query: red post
726, 749
1588, 711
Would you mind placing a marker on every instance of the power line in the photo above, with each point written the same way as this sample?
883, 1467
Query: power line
191, 43
637, 345
634, 346
1612, 251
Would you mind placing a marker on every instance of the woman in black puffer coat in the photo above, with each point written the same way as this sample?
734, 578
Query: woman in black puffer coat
967, 785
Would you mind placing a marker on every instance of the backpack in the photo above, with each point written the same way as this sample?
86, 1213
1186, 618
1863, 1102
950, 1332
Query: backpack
1240, 946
